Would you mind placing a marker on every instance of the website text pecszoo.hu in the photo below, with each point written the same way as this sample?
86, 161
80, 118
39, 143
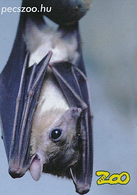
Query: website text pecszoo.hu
25, 9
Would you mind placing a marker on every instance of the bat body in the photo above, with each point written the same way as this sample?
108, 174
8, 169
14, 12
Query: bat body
46, 125
53, 107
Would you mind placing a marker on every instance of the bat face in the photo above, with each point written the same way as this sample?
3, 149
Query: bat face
54, 147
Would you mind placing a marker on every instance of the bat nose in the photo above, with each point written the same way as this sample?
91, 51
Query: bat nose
16, 172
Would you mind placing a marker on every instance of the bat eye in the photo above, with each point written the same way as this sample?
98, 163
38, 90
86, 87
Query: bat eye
55, 134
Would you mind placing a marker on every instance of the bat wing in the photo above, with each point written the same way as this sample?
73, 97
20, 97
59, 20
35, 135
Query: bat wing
73, 83
20, 87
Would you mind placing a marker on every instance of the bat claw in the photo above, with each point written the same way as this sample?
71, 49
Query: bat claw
15, 173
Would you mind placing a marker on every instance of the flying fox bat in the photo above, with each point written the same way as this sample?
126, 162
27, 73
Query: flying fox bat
45, 105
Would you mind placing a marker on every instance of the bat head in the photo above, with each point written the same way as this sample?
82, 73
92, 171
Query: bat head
55, 148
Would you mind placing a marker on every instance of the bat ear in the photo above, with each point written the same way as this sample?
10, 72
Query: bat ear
36, 167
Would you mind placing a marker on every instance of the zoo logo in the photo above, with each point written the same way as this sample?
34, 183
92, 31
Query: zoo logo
123, 178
